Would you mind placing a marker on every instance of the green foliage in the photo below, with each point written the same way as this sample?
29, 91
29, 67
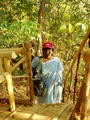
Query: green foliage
67, 22
17, 32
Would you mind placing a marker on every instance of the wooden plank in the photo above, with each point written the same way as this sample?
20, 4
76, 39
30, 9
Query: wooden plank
17, 101
40, 112
65, 115
21, 76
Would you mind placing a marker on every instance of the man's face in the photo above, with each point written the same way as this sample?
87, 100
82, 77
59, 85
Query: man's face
47, 52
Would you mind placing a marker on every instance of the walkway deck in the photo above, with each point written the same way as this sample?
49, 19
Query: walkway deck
38, 112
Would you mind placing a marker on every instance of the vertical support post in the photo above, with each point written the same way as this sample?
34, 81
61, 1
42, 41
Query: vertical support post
80, 109
30, 91
8, 79
86, 57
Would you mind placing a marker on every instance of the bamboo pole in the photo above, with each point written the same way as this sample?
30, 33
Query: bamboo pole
8, 79
76, 56
80, 109
30, 90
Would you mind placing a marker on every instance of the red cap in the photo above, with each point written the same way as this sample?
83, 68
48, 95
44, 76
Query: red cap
48, 45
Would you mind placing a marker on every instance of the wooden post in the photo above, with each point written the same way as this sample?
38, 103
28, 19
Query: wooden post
8, 79
30, 91
80, 109
86, 57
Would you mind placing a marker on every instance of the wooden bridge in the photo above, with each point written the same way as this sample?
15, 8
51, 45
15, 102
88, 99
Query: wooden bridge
26, 110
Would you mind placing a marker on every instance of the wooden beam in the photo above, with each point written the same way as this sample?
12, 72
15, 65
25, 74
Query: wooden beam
20, 76
16, 50
8, 54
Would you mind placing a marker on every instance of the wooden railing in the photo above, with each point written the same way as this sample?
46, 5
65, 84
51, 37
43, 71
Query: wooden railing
6, 55
80, 110
77, 57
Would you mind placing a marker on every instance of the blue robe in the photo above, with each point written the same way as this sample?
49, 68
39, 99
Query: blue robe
52, 76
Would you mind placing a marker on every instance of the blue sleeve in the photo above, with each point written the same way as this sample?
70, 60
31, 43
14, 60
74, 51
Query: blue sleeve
35, 62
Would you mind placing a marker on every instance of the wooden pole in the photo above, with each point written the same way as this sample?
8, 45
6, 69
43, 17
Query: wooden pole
8, 79
69, 91
30, 90
75, 84
86, 57
80, 109
75, 58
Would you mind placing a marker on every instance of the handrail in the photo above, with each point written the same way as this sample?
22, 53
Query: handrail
76, 56
80, 109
